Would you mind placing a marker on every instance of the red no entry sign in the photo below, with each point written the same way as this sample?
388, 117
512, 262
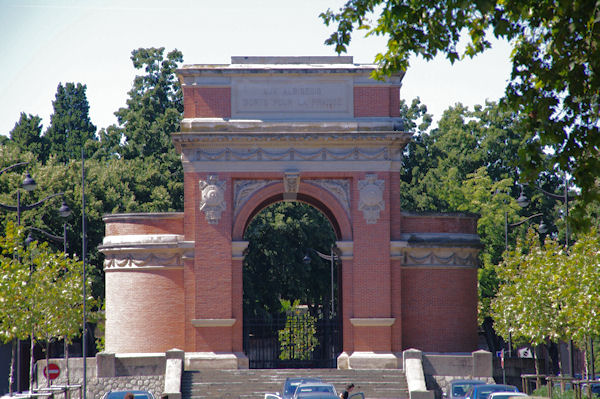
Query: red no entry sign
51, 371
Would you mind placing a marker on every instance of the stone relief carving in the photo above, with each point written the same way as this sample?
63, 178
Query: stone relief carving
290, 154
291, 184
212, 200
339, 188
140, 260
371, 197
432, 259
244, 189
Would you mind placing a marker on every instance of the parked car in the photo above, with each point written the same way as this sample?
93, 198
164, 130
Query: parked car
289, 387
328, 395
121, 394
317, 395
457, 389
319, 387
507, 395
482, 391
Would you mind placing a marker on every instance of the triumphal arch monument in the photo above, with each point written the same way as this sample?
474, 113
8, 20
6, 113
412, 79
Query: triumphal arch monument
321, 131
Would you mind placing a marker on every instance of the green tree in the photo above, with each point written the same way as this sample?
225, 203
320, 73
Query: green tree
548, 293
40, 291
154, 108
555, 66
279, 238
27, 136
70, 125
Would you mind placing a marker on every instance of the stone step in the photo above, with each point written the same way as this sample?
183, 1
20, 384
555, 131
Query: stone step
254, 383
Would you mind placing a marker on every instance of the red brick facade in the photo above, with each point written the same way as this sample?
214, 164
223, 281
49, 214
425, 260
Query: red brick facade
406, 280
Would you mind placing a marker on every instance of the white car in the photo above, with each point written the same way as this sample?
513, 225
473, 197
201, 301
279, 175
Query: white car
507, 395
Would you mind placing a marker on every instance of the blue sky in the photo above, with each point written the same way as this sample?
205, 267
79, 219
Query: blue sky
46, 42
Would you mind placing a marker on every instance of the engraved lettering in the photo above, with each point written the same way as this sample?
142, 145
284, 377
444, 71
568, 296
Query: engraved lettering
293, 96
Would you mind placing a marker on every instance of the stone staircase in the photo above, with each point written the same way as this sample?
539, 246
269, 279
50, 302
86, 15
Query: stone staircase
254, 383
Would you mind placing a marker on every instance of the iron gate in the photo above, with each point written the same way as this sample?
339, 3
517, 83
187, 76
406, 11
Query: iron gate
292, 341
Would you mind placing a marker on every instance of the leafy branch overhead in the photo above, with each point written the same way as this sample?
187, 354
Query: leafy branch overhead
555, 66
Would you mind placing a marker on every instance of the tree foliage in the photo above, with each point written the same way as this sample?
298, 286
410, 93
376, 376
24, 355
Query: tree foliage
41, 292
70, 125
548, 292
27, 136
154, 107
555, 66
279, 238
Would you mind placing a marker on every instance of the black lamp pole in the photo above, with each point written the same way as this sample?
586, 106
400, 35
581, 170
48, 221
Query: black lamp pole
331, 258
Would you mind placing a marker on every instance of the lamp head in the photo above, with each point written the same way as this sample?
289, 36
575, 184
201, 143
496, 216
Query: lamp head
306, 259
542, 228
28, 183
523, 201
28, 240
64, 211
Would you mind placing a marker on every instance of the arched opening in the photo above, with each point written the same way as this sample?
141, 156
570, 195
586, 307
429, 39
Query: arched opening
291, 291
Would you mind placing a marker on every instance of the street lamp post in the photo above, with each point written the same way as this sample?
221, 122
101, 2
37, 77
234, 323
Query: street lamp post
64, 212
542, 228
28, 184
331, 258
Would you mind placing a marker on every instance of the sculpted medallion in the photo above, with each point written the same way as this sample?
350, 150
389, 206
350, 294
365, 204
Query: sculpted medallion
212, 198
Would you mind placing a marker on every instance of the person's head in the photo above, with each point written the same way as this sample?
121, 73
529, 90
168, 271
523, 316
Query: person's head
349, 387
128, 395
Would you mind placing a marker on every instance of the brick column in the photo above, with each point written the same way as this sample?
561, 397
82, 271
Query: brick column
371, 320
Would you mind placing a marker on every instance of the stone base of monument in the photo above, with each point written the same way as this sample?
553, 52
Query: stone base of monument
215, 360
369, 360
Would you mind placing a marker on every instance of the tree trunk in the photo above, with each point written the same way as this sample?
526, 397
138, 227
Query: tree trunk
11, 374
537, 367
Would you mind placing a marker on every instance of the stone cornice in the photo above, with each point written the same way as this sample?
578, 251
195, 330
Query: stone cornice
125, 217
290, 126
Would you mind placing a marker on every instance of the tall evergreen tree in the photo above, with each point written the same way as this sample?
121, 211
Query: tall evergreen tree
154, 107
70, 124
27, 136
154, 110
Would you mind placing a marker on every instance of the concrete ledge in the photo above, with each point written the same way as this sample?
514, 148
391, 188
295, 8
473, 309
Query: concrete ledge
213, 322
373, 321
482, 364
371, 360
213, 360
415, 378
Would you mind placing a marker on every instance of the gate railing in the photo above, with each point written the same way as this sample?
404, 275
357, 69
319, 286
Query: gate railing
293, 341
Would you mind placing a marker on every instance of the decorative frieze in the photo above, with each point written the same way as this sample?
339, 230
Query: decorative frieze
145, 251
371, 197
289, 154
212, 201
436, 259
141, 260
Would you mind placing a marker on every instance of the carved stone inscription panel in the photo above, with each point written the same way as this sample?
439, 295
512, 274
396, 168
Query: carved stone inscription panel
292, 97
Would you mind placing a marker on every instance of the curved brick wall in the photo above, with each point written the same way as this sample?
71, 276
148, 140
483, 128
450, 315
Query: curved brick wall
144, 282
145, 311
144, 223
